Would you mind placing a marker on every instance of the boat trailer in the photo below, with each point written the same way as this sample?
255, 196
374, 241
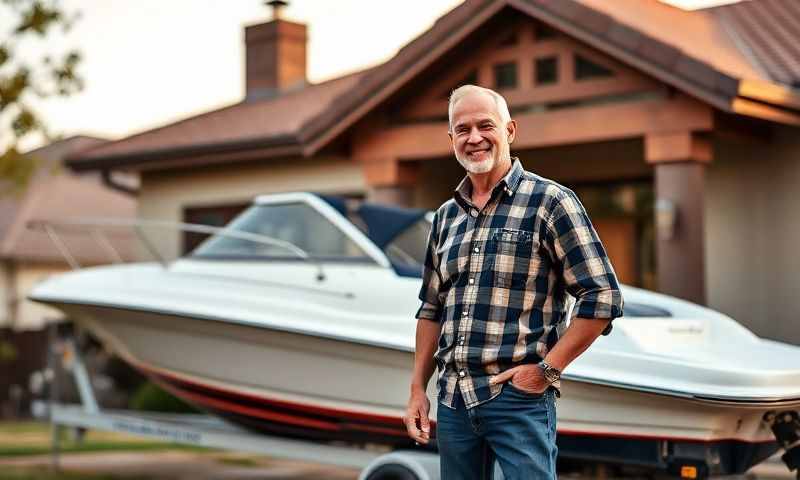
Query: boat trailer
208, 431
786, 427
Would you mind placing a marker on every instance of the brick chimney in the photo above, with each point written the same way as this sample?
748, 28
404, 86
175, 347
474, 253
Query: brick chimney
275, 55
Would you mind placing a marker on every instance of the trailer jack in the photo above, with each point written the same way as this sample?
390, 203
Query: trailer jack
786, 428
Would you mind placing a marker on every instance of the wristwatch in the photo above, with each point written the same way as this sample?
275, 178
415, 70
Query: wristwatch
551, 373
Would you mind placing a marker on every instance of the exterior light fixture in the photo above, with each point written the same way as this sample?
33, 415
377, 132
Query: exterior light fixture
666, 218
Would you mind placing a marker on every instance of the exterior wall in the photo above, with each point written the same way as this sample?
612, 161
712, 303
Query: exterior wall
31, 315
752, 233
164, 195
5, 290
19, 313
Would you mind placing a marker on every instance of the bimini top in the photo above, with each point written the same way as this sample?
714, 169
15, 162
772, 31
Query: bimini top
383, 222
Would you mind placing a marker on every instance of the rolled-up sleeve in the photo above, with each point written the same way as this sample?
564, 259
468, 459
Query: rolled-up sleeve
431, 308
585, 267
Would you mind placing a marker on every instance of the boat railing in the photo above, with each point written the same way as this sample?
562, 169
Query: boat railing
97, 228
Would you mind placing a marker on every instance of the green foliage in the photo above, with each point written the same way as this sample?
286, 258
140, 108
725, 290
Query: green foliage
16, 170
150, 397
22, 80
8, 353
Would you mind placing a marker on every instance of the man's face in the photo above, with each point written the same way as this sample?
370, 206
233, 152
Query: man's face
480, 140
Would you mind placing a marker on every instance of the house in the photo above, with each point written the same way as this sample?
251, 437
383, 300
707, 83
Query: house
27, 256
677, 129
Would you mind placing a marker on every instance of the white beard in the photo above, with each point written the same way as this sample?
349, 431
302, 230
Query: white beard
482, 166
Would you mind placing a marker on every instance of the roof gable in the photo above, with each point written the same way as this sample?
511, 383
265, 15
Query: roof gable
700, 58
544, 70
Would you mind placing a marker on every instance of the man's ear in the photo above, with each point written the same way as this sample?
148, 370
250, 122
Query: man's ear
511, 131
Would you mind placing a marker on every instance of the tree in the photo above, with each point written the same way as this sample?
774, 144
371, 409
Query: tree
24, 79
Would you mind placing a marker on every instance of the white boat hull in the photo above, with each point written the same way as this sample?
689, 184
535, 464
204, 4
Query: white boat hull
314, 387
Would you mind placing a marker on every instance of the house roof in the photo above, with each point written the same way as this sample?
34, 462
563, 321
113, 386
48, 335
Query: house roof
729, 57
55, 193
767, 32
270, 123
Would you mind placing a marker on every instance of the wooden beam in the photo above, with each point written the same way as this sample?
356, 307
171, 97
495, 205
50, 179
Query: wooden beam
390, 172
680, 256
770, 93
451, 41
750, 108
535, 130
676, 147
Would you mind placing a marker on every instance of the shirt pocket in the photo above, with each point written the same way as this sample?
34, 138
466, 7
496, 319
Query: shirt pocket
509, 254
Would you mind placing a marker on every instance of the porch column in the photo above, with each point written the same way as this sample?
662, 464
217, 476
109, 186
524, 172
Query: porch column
679, 160
390, 181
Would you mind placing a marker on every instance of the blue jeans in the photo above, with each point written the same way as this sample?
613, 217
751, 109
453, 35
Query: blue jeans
516, 428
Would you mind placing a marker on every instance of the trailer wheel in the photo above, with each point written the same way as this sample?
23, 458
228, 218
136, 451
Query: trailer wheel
392, 471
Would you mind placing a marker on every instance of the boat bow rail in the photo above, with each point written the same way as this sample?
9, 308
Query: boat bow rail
97, 228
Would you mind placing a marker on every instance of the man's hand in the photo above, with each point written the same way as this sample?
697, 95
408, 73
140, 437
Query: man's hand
416, 418
528, 378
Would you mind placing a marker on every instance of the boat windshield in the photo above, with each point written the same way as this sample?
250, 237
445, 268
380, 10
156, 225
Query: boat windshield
296, 223
406, 251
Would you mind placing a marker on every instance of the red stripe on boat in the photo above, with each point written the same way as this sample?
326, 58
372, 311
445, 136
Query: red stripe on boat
250, 411
279, 403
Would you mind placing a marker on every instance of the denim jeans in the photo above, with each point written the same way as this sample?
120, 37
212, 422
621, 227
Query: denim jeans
516, 428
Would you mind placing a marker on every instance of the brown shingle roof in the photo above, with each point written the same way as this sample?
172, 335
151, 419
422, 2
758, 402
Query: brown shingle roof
55, 193
699, 52
696, 33
277, 120
768, 33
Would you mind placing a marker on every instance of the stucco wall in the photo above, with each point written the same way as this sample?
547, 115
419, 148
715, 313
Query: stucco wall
17, 281
30, 315
164, 195
752, 233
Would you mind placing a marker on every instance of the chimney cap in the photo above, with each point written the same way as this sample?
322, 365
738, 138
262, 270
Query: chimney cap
277, 8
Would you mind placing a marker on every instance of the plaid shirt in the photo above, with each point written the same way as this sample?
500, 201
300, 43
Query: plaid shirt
498, 278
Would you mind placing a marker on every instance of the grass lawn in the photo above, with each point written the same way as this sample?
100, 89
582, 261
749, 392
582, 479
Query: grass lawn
34, 438
46, 474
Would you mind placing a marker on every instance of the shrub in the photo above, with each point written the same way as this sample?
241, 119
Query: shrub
150, 397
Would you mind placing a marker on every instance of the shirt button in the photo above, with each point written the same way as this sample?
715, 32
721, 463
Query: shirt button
465, 313
461, 340
473, 212
476, 249
471, 281
462, 374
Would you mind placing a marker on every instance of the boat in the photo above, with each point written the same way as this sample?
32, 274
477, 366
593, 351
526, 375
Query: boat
297, 319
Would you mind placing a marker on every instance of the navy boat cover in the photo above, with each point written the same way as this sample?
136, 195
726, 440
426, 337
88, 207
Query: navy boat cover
383, 223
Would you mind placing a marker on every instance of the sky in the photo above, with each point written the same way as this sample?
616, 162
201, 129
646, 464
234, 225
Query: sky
148, 63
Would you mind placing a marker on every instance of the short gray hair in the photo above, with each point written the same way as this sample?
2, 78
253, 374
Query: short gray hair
464, 90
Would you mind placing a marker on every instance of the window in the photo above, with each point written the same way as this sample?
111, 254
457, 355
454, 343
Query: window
546, 70
586, 69
216, 216
543, 32
505, 76
297, 224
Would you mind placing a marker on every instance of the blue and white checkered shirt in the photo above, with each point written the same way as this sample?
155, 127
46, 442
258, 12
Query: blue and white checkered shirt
498, 279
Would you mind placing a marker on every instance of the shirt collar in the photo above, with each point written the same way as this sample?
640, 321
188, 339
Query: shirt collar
509, 183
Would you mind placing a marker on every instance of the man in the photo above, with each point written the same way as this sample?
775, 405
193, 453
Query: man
503, 255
